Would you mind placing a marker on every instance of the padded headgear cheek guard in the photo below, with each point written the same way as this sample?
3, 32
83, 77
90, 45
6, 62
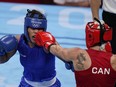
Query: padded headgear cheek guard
34, 23
93, 34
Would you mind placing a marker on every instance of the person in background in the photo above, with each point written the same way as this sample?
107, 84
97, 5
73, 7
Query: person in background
81, 3
39, 66
108, 16
93, 67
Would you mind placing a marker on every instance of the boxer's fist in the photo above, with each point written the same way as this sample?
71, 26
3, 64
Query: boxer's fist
44, 39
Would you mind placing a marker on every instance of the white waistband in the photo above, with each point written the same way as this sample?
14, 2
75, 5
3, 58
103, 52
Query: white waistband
41, 84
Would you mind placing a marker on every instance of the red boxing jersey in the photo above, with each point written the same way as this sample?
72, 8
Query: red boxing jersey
100, 74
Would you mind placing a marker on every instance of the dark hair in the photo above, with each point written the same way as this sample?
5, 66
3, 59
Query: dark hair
31, 13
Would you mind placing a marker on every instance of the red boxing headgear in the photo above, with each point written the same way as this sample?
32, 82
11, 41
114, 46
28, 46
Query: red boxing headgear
93, 34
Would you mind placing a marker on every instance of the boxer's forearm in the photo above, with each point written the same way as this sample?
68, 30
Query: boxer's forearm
59, 52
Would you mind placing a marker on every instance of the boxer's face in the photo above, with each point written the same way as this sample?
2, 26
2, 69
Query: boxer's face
32, 32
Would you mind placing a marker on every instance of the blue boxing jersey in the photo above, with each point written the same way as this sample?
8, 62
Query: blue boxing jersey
38, 65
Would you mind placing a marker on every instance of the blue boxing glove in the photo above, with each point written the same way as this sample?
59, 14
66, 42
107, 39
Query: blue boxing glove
7, 43
2, 51
69, 66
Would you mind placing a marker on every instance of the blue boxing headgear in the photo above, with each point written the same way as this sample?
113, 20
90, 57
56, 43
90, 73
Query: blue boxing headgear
35, 20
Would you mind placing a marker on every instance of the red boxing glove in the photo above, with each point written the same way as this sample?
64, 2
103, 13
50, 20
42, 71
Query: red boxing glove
44, 39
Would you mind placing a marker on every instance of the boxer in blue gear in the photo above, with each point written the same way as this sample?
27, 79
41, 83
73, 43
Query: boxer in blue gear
39, 65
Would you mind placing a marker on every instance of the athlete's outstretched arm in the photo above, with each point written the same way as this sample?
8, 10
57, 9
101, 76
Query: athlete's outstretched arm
67, 54
77, 56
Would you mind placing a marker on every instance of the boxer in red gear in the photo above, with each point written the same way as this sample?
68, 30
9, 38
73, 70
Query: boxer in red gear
93, 67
